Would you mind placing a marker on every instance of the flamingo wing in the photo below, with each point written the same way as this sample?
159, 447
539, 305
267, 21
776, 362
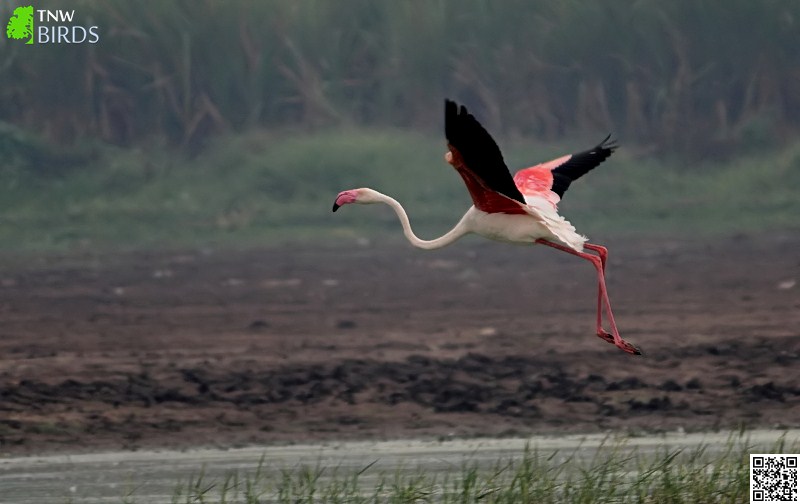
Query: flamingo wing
551, 180
478, 160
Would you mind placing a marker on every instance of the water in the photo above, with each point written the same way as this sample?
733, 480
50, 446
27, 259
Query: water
153, 476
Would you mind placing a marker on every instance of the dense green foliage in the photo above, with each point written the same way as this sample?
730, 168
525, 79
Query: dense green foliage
698, 76
238, 121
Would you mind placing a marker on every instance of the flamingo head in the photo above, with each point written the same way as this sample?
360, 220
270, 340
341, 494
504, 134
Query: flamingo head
362, 196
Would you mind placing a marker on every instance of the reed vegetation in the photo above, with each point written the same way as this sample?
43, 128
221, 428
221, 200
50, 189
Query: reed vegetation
697, 77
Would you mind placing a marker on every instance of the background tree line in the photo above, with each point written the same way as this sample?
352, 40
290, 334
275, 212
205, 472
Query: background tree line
695, 76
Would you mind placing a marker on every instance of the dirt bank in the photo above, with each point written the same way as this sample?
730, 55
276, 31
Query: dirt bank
227, 348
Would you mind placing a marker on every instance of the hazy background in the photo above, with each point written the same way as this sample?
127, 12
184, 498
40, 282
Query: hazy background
236, 123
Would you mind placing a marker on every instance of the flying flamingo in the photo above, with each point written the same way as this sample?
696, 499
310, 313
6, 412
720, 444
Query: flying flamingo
522, 209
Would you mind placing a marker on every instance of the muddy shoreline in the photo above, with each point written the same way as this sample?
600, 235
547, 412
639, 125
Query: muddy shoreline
277, 345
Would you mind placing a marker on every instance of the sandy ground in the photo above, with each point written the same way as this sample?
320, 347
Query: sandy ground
287, 345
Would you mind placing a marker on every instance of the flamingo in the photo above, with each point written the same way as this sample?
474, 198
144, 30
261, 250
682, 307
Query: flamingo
522, 209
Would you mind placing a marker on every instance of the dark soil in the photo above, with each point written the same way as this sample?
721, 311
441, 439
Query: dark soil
291, 345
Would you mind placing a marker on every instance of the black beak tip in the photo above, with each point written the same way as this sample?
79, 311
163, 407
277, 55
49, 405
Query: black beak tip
335, 207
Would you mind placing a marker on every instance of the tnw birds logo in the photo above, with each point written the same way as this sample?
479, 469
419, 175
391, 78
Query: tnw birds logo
57, 26
20, 25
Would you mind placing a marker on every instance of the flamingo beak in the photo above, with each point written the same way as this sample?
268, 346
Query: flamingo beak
345, 197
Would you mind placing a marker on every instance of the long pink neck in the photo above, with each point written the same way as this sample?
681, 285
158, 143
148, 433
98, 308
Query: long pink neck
454, 234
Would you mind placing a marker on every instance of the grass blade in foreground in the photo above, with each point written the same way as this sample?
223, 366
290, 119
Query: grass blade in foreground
612, 472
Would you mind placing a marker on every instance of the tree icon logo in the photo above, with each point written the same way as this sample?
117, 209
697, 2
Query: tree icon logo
20, 25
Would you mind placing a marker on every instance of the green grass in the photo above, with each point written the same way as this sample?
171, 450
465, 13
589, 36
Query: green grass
265, 188
615, 474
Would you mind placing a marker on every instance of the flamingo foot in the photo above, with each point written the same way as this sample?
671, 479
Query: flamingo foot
629, 347
602, 334
621, 344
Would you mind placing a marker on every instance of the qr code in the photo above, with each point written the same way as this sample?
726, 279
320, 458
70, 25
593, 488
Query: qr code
773, 478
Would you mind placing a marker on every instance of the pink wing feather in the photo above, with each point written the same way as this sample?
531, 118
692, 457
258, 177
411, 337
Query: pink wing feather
547, 182
537, 181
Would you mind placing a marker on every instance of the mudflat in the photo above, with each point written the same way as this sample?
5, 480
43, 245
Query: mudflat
217, 347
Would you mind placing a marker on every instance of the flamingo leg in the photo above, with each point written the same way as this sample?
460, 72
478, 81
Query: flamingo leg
598, 264
603, 253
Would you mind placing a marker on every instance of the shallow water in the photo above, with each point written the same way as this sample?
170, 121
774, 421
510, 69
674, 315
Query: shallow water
152, 476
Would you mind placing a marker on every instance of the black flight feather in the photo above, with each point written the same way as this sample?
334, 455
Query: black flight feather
481, 154
579, 164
